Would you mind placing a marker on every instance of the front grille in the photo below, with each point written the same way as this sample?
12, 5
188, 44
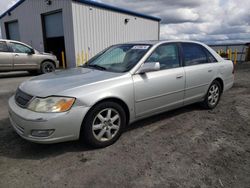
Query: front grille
22, 98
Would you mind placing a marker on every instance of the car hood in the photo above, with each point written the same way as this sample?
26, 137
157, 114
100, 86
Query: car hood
61, 81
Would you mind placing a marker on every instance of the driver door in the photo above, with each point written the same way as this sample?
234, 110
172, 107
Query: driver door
23, 57
160, 90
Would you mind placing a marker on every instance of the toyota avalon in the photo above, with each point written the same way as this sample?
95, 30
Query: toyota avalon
120, 85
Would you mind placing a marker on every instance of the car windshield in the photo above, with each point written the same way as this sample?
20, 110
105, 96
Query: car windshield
118, 58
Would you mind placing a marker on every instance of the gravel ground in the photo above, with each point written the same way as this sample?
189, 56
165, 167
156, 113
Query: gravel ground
188, 147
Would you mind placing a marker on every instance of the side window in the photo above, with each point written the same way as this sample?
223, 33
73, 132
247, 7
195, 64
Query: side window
193, 54
19, 48
166, 55
211, 58
3, 47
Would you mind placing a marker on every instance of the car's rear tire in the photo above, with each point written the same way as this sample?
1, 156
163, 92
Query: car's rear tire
47, 67
213, 95
103, 124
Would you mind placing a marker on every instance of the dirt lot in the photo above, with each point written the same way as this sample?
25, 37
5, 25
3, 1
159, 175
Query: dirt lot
189, 147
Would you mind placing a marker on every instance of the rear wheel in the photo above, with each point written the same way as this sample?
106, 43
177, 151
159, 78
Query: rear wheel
213, 95
47, 67
104, 124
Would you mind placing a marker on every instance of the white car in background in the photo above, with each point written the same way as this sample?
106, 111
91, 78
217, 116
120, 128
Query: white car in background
17, 56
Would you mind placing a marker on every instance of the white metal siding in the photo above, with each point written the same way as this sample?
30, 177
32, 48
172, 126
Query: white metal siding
87, 30
28, 15
96, 28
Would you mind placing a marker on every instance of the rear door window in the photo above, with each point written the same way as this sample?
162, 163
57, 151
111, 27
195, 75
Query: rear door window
194, 54
211, 58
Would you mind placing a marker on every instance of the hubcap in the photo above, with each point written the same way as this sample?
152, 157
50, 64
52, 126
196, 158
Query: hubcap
213, 94
48, 68
106, 124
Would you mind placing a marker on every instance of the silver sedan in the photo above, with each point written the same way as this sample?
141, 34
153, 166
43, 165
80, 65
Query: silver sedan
120, 85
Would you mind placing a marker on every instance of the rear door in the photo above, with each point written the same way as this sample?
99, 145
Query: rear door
24, 59
199, 70
160, 90
6, 57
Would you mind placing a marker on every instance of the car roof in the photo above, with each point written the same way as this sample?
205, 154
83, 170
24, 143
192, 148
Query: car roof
154, 42
6, 40
14, 41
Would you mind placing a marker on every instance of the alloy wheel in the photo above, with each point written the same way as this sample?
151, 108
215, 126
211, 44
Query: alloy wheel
213, 94
106, 124
48, 67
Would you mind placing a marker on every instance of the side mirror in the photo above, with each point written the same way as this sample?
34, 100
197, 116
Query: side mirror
149, 67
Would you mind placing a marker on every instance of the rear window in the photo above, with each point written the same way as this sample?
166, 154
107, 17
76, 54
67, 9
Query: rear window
211, 58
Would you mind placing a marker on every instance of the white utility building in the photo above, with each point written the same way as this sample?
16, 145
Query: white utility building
79, 28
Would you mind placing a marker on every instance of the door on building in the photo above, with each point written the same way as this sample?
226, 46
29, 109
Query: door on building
53, 34
12, 30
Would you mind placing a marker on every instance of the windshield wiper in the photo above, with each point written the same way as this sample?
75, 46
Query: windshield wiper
96, 67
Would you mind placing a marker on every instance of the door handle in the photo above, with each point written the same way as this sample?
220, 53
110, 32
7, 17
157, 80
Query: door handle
16, 55
210, 70
179, 76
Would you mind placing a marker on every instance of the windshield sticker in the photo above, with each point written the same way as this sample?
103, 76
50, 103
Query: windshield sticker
141, 47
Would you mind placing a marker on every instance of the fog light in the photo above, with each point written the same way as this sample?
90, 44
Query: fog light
42, 133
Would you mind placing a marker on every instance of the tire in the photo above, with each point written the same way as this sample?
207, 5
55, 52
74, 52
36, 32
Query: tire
47, 67
103, 124
213, 95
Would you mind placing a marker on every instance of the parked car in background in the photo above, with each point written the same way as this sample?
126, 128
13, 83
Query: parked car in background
17, 56
120, 85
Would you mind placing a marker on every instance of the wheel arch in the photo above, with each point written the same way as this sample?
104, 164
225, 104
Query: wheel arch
48, 60
116, 100
221, 83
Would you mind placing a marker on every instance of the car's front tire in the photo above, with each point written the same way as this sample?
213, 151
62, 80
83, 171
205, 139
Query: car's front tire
47, 67
213, 95
103, 125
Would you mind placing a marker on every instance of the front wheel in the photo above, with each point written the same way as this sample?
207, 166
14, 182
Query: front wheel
213, 95
47, 67
104, 124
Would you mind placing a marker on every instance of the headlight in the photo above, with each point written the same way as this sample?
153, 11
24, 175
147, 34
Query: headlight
51, 104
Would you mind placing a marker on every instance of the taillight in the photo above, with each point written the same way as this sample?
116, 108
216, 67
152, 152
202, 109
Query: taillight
233, 68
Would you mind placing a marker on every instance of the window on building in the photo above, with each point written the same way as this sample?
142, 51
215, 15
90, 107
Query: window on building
12, 30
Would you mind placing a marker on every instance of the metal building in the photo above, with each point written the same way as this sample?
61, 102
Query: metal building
79, 28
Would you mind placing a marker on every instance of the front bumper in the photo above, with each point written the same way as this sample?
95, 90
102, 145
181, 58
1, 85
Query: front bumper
57, 64
66, 126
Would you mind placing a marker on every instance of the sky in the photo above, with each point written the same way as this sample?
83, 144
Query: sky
209, 21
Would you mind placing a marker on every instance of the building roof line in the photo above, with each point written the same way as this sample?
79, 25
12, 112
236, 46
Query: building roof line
11, 8
95, 4
116, 9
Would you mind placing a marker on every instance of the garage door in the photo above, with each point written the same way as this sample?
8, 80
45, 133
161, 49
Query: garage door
53, 34
12, 31
53, 25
